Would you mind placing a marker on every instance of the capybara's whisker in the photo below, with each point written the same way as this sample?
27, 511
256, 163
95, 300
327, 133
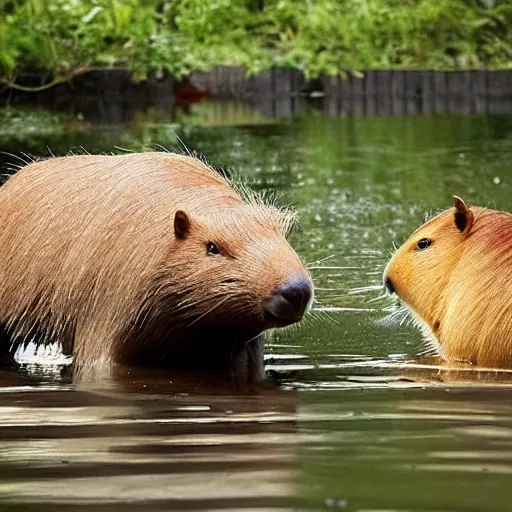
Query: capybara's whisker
164, 149
251, 339
126, 150
23, 162
405, 319
29, 158
213, 308
365, 289
183, 146
322, 267
14, 168
321, 260
396, 314
380, 297
372, 252
428, 351
308, 321
319, 315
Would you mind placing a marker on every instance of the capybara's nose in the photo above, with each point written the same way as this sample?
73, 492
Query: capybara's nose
290, 301
389, 285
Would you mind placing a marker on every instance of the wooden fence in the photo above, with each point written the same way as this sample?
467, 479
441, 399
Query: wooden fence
420, 92
278, 92
109, 96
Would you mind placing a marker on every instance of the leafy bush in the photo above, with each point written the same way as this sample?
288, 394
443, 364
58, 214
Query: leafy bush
66, 37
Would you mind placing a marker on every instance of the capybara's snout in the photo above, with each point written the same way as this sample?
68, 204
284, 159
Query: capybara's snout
389, 285
289, 301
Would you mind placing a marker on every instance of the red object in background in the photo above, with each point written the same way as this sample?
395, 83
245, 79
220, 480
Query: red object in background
186, 94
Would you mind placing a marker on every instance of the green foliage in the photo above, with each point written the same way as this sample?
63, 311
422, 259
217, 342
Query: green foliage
67, 37
333, 35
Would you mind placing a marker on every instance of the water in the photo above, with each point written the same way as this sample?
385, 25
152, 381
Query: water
362, 418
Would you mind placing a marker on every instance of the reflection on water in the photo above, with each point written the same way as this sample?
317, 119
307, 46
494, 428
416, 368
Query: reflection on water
423, 449
65, 448
363, 418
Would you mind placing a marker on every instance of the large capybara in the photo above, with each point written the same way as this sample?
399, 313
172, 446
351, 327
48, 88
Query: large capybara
455, 274
145, 258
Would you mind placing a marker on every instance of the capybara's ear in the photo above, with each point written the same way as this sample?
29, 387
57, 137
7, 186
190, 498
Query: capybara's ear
464, 217
181, 224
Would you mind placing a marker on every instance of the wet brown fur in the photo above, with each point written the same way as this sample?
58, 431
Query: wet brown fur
89, 257
461, 286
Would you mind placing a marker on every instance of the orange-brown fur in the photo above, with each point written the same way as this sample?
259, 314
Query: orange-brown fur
461, 285
89, 257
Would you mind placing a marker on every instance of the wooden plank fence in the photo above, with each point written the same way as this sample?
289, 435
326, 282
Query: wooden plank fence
109, 96
281, 92
276, 92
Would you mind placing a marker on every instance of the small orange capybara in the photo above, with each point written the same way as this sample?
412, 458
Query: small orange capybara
455, 274
145, 258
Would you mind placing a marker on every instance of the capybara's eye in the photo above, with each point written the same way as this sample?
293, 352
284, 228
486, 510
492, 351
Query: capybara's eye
212, 249
423, 244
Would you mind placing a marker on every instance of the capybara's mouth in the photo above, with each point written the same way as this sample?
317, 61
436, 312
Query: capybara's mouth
274, 321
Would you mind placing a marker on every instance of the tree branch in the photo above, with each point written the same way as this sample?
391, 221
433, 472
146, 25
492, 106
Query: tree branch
11, 83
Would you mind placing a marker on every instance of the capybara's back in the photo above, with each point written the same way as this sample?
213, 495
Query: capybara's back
140, 257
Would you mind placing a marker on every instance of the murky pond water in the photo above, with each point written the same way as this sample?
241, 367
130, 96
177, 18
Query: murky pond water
362, 418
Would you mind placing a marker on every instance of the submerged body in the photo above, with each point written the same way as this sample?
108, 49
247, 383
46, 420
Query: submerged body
141, 259
455, 273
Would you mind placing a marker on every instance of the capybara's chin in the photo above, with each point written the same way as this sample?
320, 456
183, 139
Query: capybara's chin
454, 273
143, 258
